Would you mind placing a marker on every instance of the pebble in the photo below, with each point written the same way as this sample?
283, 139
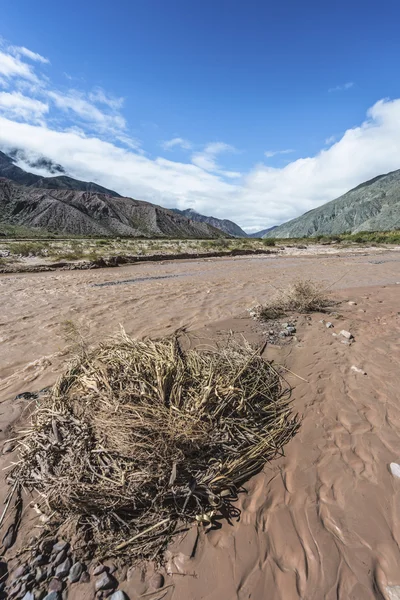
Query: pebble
329, 325
46, 546
39, 560
63, 569
99, 569
85, 577
61, 556
53, 596
346, 334
291, 329
20, 571
395, 469
28, 596
39, 575
75, 572
357, 370
119, 595
59, 546
156, 581
105, 582
352, 303
55, 585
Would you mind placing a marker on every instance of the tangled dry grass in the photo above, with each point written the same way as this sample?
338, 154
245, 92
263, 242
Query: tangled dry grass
139, 437
302, 296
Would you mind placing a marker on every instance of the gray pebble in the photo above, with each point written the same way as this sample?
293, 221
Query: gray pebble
28, 596
329, 325
119, 595
39, 575
58, 546
63, 569
99, 570
85, 577
60, 557
75, 572
53, 596
346, 334
39, 560
105, 582
291, 329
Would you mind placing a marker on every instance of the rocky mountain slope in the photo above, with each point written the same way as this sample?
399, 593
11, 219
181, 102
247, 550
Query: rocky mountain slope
371, 206
262, 233
225, 225
11, 171
93, 213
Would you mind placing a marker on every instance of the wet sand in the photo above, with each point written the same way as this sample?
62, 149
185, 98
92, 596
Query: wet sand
151, 299
322, 522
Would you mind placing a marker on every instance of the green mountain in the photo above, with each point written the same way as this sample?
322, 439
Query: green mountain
371, 206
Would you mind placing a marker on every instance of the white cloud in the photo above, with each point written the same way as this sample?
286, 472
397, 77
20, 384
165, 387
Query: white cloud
271, 153
21, 50
98, 95
207, 159
176, 142
12, 66
343, 87
74, 101
16, 105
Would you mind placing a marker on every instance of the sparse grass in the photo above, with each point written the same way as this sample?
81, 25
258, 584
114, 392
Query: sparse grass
302, 296
140, 437
268, 242
29, 248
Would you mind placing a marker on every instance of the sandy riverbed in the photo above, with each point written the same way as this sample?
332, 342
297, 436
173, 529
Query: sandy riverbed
320, 522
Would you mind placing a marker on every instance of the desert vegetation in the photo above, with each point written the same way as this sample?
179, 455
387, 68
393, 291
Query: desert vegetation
138, 438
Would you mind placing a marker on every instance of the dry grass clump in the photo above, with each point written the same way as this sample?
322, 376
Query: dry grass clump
139, 437
302, 296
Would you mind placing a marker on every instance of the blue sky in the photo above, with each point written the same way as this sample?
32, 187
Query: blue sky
253, 111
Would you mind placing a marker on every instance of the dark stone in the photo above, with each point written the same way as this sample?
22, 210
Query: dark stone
55, 585
75, 572
105, 582
85, 577
63, 569
46, 546
112, 568
39, 560
60, 557
9, 538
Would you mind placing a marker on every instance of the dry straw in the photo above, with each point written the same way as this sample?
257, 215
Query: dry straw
138, 438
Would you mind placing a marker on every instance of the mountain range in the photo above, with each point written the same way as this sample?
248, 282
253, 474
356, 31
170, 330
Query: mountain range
225, 225
65, 205
371, 206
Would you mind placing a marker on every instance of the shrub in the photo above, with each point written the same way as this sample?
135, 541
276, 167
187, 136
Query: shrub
302, 296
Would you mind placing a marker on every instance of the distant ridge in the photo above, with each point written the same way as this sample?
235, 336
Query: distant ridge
371, 206
225, 225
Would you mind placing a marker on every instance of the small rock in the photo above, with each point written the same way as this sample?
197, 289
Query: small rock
55, 585
39, 594
63, 569
39, 560
352, 303
119, 595
75, 572
346, 342
112, 568
283, 334
357, 370
99, 570
20, 571
49, 571
85, 577
59, 546
346, 334
8, 447
53, 596
105, 582
329, 325
156, 581
46, 546
39, 575
60, 558
271, 332
290, 329
395, 469
28, 596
